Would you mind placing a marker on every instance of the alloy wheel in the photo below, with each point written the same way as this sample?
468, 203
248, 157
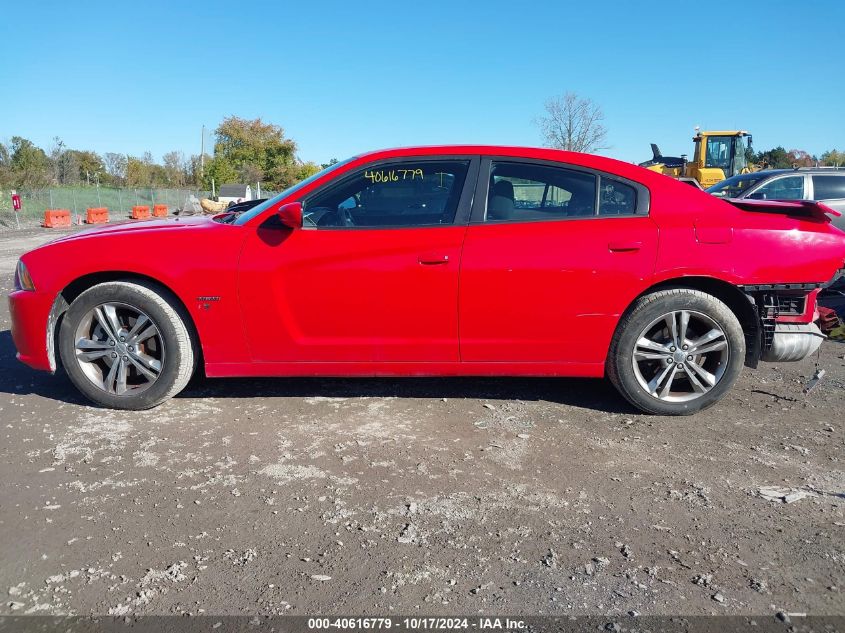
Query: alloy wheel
119, 348
680, 356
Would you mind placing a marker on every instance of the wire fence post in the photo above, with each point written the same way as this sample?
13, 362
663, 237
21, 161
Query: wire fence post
119, 201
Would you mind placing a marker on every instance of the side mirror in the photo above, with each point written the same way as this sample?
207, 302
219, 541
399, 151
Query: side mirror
291, 214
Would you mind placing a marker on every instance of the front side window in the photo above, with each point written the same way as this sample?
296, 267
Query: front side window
402, 194
257, 210
789, 188
828, 187
521, 192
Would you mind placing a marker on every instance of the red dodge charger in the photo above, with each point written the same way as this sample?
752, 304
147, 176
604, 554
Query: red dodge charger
434, 261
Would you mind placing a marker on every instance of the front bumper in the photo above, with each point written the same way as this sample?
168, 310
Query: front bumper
30, 311
793, 341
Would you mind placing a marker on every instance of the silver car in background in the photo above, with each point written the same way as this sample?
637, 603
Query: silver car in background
823, 184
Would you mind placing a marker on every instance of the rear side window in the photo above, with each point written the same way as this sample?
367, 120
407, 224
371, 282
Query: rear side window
828, 187
521, 192
789, 188
616, 198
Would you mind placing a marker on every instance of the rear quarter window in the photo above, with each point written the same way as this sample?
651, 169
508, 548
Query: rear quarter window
616, 198
828, 187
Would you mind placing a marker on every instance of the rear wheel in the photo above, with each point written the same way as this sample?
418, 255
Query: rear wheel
125, 346
676, 352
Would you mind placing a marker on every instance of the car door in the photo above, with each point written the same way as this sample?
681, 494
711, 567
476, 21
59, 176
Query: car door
551, 258
830, 189
373, 274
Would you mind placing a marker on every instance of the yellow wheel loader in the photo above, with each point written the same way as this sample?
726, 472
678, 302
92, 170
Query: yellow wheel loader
718, 155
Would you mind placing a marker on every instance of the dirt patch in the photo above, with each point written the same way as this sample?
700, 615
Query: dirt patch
420, 496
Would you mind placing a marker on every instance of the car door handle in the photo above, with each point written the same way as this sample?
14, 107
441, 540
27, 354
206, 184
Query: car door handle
432, 259
621, 247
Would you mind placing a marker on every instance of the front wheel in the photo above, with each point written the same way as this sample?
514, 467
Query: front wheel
125, 346
676, 352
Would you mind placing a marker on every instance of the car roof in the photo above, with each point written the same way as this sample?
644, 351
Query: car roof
590, 161
829, 171
491, 150
767, 172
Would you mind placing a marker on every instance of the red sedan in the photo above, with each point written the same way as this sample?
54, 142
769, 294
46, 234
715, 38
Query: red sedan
439, 261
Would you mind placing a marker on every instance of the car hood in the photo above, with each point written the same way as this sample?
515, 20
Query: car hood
130, 227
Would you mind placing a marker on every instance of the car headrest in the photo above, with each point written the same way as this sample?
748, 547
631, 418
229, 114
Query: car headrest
503, 188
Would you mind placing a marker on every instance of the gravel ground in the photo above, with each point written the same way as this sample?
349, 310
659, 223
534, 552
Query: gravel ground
419, 496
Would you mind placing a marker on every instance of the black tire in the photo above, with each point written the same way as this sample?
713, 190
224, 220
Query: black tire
620, 363
163, 311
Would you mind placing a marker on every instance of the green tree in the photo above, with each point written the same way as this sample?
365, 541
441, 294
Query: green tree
90, 165
137, 172
158, 176
30, 164
306, 170
250, 150
777, 158
833, 158
145, 172
5, 166
219, 170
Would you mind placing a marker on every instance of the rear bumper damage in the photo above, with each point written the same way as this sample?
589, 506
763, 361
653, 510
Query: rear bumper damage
793, 341
785, 328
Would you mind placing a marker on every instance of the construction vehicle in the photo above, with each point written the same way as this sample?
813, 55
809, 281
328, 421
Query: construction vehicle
718, 155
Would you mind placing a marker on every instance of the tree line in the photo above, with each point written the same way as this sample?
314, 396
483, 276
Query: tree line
779, 158
246, 151
250, 151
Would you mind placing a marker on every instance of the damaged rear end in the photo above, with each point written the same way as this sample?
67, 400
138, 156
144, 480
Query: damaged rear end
786, 315
806, 245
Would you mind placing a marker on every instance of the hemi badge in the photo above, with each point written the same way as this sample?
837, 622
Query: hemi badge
208, 298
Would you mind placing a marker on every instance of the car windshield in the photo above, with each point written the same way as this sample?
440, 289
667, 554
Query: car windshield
245, 217
718, 152
736, 185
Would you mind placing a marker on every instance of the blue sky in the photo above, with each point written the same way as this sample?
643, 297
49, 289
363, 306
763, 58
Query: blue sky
345, 77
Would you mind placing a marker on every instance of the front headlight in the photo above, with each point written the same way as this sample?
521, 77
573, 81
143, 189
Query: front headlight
22, 279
